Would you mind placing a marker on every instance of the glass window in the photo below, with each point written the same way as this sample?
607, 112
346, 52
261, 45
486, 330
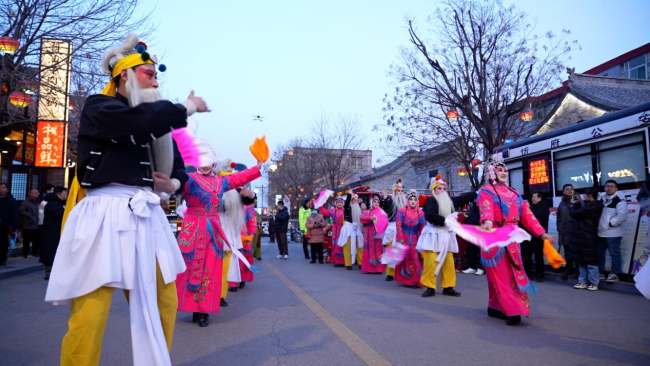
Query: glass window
625, 165
621, 140
516, 177
576, 171
638, 73
638, 61
19, 185
572, 152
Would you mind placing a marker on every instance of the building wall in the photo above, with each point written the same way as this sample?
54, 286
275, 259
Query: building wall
447, 167
571, 111
406, 172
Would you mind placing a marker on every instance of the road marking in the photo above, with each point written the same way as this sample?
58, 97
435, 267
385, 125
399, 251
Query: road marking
361, 348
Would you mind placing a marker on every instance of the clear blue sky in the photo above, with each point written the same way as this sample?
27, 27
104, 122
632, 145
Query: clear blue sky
290, 60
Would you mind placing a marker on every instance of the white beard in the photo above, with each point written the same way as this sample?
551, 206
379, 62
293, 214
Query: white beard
163, 147
356, 213
231, 212
445, 204
399, 200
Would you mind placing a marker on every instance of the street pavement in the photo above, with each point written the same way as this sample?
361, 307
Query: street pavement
270, 323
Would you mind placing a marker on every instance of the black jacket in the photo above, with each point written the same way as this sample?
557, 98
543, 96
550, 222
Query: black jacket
431, 213
8, 213
388, 205
271, 225
541, 212
51, 228
583, 242
114, 138
29, 215
281, 221
564, 220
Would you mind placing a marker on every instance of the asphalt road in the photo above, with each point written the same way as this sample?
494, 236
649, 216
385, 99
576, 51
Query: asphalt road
268, 324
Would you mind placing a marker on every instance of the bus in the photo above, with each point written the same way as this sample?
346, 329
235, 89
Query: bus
613, 146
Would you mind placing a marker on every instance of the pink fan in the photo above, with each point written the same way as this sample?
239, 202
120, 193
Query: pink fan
381, 223
194, 150
322, 198
394, 255
499, 237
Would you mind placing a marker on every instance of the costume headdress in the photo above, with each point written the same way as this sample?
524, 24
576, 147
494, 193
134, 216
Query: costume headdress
436, 181
129, 54
412, 193
398, 184
226, 167
376, 197
339, 198
492, 163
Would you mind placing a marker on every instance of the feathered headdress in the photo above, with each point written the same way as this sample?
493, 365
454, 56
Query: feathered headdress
398, 184
436, 181
226, 167
412, 193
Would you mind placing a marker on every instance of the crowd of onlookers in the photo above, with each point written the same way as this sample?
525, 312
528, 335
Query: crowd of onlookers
37, 222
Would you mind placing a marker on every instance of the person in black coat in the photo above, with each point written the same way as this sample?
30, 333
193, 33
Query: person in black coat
583, 242
8, 220
281, 225
541, 209
271, 229
52, 227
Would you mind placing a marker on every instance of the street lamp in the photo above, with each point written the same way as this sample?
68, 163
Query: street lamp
273, 168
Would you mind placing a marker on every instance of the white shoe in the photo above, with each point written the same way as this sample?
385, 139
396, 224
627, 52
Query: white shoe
469, 271
580, 286
612, 278
592, 287
286, 256
279, 256
480, 272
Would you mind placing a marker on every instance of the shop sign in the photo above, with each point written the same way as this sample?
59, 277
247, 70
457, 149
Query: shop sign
50, 144
538, 172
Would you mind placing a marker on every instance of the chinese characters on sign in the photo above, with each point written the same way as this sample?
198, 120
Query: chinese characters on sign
55, 80
538, 172
50, 144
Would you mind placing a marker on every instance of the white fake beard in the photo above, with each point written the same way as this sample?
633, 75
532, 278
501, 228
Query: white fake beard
231, 212
399, 200
356, 213
445, 204
163, 147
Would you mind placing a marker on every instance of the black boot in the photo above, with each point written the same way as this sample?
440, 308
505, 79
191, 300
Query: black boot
413, 286
390, 278
242, 284
513, 320
203, 321
196, 317
494, 313
429, 292
338, 265
232, 289
223, 303
349, 268
449, 291
312, 261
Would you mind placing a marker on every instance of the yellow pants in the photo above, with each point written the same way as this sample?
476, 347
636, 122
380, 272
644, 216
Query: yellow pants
389, 271
82, 344
347, 254
224, 274
359, 255
447, 271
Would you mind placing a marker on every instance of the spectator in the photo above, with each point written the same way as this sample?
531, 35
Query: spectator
29, 223
49, 188
564, 226
8, 221
303, 213
271, 227
316, 235
610, 230
52, 227
535, 246
583, 245
472, 252
281, 224
644, 201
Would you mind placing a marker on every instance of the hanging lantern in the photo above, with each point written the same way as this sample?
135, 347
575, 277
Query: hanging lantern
476, 163
452, 114
28, 87
461, 172
9, 45
527, 114
19, 99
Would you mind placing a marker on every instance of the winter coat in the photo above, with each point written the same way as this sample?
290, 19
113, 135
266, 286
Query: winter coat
613, 217
583, 242
29, 215
8, 213
316, 229
271, 225
564, 220
303, 213
281, 221
542, 212
51, 228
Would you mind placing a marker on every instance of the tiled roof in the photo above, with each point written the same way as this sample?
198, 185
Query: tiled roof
610, 93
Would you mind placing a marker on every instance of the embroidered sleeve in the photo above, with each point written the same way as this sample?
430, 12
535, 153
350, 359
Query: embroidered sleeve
422, 222
251, 222
485, 206
365, 217
530, 221
399, 224
239, 179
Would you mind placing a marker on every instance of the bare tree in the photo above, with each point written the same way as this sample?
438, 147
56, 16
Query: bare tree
484, 62
91, 25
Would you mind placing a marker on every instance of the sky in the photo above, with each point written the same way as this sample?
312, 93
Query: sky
290, 61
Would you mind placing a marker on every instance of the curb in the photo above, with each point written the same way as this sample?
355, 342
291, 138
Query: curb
21, 271
620, 286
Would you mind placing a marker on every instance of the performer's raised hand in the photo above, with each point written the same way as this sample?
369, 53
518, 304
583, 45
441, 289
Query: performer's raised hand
550, 238
260, 163
199, 102
487, 225
162, 183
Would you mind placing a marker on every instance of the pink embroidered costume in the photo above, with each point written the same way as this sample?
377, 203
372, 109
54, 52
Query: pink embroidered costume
372, 247
507, 281
251, 228
201, 240
337, 215
409, 223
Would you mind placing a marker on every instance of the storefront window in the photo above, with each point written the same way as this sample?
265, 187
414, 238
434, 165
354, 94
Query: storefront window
624, 165
576, 171
517, 180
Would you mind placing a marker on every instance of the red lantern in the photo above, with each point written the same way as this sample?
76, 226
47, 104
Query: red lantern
19, 99
476, 163
461, 172
9, 45
527, 114
452, 114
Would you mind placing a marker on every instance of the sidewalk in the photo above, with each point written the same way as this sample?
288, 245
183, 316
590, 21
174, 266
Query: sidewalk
17, 266
620, 286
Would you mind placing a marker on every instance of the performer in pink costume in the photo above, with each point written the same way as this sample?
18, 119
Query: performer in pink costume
251, 228
410, 222
337, 213
500, 206
372, 246
201, 239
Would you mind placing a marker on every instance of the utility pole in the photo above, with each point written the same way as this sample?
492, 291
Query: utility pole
261, 190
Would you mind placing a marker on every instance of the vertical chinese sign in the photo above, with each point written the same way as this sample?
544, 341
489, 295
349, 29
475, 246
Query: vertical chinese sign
538, 179
53, 101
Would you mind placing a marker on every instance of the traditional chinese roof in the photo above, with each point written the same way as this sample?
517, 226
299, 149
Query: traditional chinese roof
382, 171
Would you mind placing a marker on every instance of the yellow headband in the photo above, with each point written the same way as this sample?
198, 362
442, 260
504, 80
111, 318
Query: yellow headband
126, 62
224, 173
437, 184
